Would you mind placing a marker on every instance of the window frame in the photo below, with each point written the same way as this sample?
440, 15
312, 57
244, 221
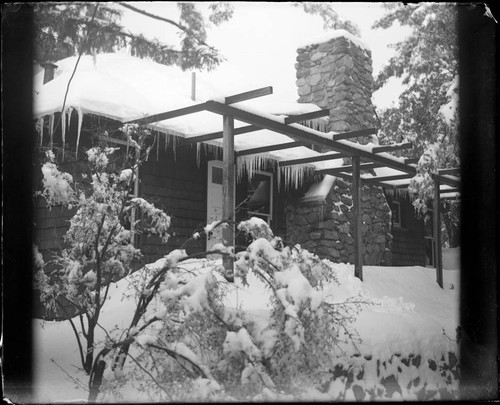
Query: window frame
271, 188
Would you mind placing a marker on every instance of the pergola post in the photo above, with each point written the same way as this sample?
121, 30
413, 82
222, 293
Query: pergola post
356, 205
228, 192
437, 234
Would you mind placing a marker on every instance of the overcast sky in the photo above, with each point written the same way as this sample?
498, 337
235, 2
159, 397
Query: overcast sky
260, 42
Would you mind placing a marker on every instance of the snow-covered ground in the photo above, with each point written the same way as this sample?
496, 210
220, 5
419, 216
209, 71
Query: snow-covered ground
412, 315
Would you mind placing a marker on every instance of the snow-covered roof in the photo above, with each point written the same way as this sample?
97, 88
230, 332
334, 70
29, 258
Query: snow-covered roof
124, 88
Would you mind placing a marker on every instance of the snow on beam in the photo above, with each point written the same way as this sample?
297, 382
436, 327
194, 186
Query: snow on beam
449, 190
248, 95
307, 116
304, 134
169, 114
448, 180
354, 134
336, 170
219, 134
271, 148
453, 170
320, 158
392, 147
387, 178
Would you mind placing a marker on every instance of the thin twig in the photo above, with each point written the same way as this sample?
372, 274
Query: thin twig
78, 382
148, 373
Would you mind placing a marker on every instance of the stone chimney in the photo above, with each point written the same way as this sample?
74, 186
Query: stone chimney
337, 74
49, 70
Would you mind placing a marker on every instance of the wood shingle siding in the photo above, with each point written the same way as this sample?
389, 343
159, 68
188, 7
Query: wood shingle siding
176, 184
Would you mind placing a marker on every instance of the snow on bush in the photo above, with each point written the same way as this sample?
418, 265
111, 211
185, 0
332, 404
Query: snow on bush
421, 187
99, 244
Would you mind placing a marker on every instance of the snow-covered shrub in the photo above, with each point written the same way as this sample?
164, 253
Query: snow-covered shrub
421, 187
195, 339
99, 244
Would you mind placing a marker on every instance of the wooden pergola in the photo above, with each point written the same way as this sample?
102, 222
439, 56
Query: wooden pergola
362, 158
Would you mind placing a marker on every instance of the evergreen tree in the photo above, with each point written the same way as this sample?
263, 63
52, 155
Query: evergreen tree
427, 62
68, 28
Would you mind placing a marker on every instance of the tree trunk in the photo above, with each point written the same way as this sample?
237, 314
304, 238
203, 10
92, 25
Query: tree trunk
89, 357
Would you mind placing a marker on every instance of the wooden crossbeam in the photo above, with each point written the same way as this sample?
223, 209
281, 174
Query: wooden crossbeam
169, 114
449, 190
453, 170
270, 148
305, 135
387, 178
447, 179
392, 147
312, 159
345, 176
410, 161
354, 134
219, 134
337, 170
307, 116
248, 95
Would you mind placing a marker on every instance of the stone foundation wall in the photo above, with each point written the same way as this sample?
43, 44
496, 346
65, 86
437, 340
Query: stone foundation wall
325, 226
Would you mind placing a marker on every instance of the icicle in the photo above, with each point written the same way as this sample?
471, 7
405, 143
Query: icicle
158, 137
63, 131
251, 164
174, 146
41, 122
294, 175
51, 130
79, 129
318, 124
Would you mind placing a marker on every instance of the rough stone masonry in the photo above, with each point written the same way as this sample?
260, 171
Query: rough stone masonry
337, 74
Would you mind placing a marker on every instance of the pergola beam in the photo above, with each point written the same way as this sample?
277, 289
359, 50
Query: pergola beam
437, 234
271, 148
449, 190
356, 205
386, 178
354, 134
452, 170
169, 114
392, 147
335, 170
312, 159
228, 188
307, 116
218, 135
248, 95
305, 135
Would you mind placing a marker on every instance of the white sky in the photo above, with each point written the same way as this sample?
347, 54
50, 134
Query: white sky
259, 43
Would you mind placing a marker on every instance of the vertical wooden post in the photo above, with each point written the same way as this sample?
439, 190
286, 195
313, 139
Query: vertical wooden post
356, 205
438, 258
228, 191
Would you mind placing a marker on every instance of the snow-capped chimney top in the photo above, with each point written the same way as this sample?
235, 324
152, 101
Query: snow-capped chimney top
337, 74
49, 70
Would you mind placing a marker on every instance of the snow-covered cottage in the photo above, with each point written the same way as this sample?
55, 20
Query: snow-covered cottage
301, 188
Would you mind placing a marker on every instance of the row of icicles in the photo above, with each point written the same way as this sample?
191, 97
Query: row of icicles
292, 176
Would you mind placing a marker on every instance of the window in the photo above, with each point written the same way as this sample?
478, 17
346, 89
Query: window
216, 175
260, 196
396, 214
